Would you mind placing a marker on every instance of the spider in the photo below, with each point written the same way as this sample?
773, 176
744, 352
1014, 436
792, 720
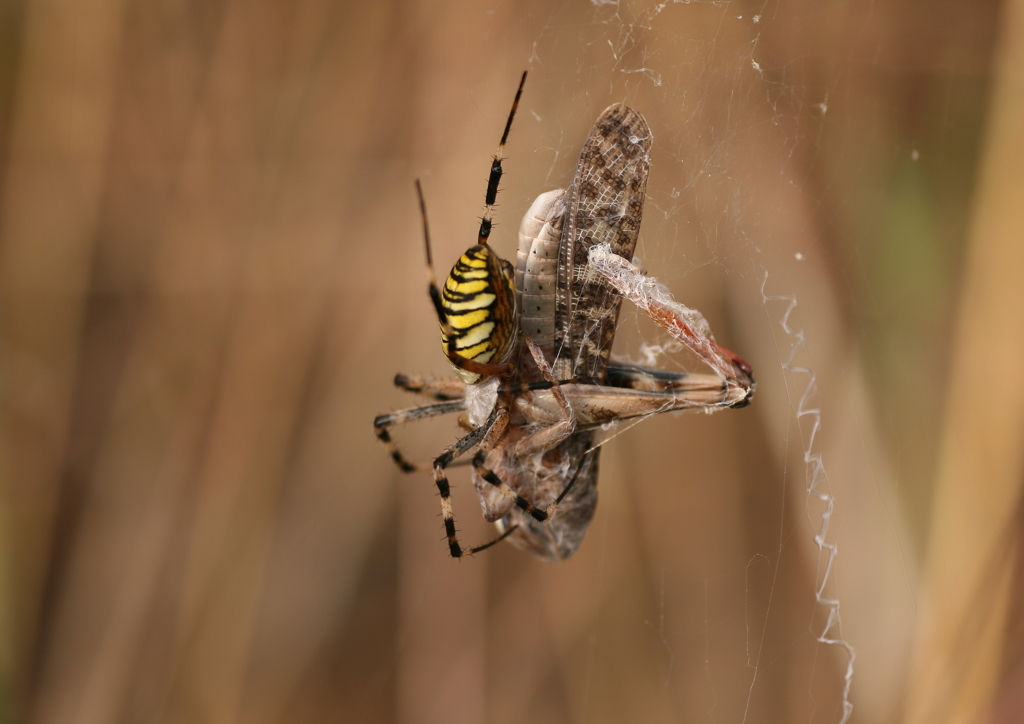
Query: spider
531, 347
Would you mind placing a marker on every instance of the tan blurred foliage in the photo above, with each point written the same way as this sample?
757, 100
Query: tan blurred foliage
211, 268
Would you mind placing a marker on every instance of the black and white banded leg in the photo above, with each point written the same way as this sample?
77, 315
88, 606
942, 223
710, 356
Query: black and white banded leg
485, 437
382, 423
437, 388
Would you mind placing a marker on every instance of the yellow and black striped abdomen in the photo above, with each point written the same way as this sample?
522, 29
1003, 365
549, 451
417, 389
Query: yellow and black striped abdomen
479, 304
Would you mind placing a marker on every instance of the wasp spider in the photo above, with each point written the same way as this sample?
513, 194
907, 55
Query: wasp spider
531, 347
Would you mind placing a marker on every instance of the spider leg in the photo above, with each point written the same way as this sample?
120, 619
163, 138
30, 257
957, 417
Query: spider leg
499, 539
491, 477
494, 177
438, 388
383, 422
483, 436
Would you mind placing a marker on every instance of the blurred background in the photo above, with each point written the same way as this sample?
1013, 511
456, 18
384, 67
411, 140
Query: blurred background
211, 268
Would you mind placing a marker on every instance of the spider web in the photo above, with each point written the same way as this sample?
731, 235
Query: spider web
721, 102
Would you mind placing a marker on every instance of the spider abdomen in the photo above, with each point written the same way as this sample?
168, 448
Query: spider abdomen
479, 304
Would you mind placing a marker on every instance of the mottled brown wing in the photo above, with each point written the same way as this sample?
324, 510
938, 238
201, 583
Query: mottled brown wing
605, 203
